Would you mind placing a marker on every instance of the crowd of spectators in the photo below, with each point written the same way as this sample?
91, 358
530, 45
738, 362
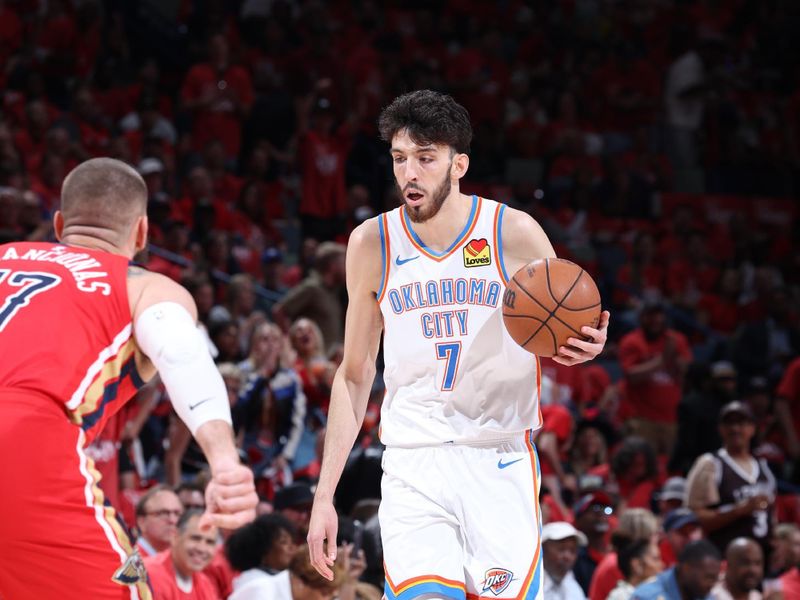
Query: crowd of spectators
658, 143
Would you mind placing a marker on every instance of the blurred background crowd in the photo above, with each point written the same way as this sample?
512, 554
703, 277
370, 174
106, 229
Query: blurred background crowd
656, 141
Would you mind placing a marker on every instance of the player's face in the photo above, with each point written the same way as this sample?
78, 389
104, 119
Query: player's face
423, 176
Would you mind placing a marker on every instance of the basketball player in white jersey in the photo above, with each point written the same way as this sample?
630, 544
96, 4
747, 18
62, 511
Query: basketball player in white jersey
459, 515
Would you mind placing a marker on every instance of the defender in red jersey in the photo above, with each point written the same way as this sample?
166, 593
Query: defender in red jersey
81, 330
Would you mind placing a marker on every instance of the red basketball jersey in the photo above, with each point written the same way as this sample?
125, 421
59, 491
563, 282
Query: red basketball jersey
65, 329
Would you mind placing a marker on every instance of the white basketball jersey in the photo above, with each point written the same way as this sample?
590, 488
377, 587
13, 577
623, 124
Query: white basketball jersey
452, 372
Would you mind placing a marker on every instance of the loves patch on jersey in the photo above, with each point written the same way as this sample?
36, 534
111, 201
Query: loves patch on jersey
476, 253
496, 580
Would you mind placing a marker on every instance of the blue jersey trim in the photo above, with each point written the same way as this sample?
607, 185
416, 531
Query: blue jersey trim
459, 238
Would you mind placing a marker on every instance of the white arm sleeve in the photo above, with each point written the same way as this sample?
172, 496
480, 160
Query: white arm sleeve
169, 337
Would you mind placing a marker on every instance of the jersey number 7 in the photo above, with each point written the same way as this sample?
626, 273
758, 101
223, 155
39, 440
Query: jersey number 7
450, 352
29, 284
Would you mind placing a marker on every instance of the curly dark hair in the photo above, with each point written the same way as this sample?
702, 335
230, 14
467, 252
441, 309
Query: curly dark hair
247, 545
627, 453
429, 118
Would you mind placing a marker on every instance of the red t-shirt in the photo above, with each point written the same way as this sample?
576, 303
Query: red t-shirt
657, 397
789, 388
790, 584
605, 577
165, 586
323, 160
218, 121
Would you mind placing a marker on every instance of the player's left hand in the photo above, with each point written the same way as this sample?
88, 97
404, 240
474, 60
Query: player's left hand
231, 498
579, 351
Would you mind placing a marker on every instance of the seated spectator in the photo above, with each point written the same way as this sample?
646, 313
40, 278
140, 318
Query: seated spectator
636, 524
731, 492
560, 542
315, 370
157, 514
294, 502
693, 577
672, 495
680, 527
744, 571
633, 474
592, 513
300, 581
590, 448
191, 495
177, 573
267, 544
785, 549
639, 561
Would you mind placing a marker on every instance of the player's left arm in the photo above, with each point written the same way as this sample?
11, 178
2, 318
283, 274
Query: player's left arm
523, 241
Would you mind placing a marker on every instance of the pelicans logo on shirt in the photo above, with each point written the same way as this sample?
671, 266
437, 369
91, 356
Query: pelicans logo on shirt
496, 580
476, 253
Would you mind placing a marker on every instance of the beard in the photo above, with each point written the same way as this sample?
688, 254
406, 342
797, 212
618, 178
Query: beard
422, 213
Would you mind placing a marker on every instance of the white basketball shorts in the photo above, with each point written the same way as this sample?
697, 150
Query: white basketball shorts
462, 522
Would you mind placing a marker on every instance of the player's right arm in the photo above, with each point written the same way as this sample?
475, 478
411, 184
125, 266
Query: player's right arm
351, 386
164, 321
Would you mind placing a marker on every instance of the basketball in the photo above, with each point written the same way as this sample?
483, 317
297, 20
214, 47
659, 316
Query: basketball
548, 301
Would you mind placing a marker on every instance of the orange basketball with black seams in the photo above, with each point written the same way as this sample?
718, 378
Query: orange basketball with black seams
547, 302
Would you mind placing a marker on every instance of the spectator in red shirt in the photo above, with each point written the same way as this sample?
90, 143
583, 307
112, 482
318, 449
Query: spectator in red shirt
654, 359
176, 574
219, 95
323, 151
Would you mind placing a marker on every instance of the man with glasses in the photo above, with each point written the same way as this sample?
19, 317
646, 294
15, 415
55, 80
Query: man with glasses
157, 515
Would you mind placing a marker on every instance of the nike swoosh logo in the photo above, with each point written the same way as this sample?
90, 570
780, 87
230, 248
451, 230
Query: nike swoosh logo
502, 465
401, 261
196, 404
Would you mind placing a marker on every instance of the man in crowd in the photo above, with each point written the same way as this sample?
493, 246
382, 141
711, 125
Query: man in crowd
693, 577
294, 502
680, 527
654, 360
176, 574
591, 518
318, 296
560, 542
744, 571
157, 514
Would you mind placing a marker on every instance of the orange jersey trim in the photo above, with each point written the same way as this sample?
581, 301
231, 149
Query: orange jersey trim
409, 583
383, 229
498, 243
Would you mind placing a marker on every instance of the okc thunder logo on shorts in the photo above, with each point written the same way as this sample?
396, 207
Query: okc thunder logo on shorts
496, 580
